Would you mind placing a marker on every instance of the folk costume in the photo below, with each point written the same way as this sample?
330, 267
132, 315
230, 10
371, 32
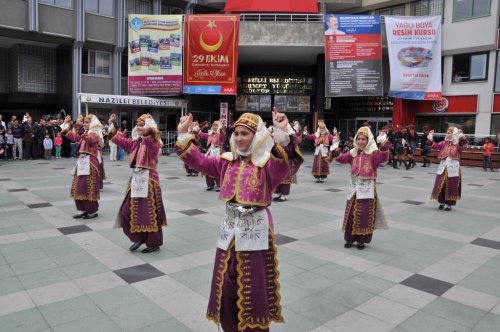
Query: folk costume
322, 141
215, 142
86, 178
363, 212
245, 289
194, 130
447, 188
283, 189
142, 214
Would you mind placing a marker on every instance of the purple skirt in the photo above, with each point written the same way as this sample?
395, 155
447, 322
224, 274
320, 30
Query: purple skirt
359, 220
447, 190
142, 218
86, 187
254, 275
321, 168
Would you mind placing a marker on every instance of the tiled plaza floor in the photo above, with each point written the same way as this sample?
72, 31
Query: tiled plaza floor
431, 271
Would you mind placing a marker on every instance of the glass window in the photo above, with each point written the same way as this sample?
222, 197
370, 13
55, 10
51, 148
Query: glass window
62, 3
495, 125
102, 7
440, 123
139, 7
470, 67
96, 63
427, 8
464, 9
396, 10
497, 75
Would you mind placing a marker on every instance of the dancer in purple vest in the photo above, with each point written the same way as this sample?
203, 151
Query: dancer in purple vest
245, 288
142, 214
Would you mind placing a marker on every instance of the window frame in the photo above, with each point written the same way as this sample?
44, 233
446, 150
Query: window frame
415, 3
470, 55
496, 89
391, 8
455, 19
54, 4
95, 58
101, 14
135, 7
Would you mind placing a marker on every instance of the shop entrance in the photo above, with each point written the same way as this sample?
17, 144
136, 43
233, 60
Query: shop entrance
348, 127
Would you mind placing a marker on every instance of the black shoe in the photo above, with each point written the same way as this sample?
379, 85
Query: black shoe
447, 208
210, 188
348, 245
194, 174
395, 165
318, 181
361, 246
217, 190
90, 216
189, 174
277, 198
135, 246
149, 250
441, 206
80, 215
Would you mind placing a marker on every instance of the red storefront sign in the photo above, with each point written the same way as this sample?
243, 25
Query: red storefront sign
286, 6
211, 54
456, 104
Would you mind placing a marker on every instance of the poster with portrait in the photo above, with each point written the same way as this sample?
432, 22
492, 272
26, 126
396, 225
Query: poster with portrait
280, 102
353, 55
414, 46
154, 55
304, 104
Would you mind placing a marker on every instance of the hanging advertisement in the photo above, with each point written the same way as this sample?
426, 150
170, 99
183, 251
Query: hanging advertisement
155, 55
224, 107
211, 54
414, 45
353, 55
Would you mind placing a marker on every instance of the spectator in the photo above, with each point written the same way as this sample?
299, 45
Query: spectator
17, 132
9, 142
11, 122
47, 146
28, 132
3, 155
58, 144
39, 137
2, 123
488, 149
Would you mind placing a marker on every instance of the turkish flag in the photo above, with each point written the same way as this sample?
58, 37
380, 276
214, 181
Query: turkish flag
287, 6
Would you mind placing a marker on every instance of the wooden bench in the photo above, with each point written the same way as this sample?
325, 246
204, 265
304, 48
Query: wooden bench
470, 157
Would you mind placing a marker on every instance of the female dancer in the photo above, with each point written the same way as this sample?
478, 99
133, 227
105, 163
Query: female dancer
322, 141
363, 212
142, 214
86, 180
245, 288
447, 188
215, 141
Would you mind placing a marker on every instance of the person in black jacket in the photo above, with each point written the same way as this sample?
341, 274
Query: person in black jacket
39, 137
400, 138
426, 149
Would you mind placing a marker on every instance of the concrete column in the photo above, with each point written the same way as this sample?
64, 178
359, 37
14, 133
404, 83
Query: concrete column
320, 87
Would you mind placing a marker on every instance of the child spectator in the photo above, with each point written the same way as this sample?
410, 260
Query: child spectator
9, 142
58, 144
488, 148
47, 145
3, 153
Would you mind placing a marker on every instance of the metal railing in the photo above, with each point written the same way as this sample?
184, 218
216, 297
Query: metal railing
266, 17
169, 138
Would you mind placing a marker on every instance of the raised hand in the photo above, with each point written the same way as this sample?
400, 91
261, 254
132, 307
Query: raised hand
112, 118
67, 119
280, 120
184, 123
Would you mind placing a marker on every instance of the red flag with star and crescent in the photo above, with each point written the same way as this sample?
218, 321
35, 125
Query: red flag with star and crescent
211, 54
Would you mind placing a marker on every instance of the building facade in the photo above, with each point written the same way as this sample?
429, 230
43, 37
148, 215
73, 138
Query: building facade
51, 50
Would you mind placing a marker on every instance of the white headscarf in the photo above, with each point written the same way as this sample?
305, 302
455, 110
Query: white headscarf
260, 149
371, 146
95, 127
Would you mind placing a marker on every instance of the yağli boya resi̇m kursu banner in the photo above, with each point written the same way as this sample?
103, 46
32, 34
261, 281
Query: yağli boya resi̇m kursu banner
155, 55
353, 55
414, 45
211, 54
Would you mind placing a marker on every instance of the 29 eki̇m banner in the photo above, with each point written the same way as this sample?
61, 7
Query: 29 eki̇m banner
414, 45
211, 54
353, 55
155, 55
